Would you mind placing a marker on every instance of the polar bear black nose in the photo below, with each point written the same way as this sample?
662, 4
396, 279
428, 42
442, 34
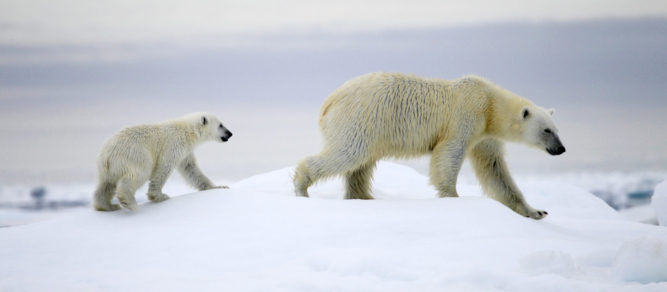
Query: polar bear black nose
556, 151
228, 134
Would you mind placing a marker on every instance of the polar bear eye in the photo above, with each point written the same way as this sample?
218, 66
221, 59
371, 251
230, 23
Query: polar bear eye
548, 131
220, 126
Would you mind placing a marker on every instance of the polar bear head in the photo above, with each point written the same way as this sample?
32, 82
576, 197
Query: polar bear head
210, 128
538, 129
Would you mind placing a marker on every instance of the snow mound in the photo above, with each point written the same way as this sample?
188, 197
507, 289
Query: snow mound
659, 203
257, 236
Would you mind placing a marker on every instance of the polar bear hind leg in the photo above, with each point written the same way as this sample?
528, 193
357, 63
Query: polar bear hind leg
327, 164
103, 195
358, 182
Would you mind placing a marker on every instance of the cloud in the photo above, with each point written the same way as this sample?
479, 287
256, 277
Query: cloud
77, 22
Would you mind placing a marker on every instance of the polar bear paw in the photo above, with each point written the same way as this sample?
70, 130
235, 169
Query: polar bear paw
219, 187
536, 214
156, 198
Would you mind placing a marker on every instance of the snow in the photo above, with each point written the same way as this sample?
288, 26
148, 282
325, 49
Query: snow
257, 236
12, 217
643, 260
643, 214
621, 190
659, 203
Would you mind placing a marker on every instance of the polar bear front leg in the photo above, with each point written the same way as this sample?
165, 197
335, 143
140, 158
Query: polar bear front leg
489, 165
446, 162
157, 181
125, 190
194, 176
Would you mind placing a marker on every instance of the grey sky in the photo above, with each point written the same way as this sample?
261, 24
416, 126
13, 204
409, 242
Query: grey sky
80, 22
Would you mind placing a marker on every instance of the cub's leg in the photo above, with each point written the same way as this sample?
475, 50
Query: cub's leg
125, 190
157, 180
103, 195
489, 165
358, 182
194, 176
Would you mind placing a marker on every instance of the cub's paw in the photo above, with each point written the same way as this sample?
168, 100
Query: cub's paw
108, 208
219, 187
128, 204
156, 198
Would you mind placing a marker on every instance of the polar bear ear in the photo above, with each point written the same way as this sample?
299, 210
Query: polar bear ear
525, 113
551, 111
204, 121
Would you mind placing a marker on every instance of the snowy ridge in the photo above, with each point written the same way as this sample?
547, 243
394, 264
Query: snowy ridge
620, 190
257, 236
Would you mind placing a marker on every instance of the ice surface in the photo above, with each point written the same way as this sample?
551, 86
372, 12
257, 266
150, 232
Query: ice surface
630, 192
659, 203
643, 214
549, 262
257, 236
643, 260
620, 190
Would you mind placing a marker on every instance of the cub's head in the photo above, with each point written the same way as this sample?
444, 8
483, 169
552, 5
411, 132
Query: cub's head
212, 129
535, 127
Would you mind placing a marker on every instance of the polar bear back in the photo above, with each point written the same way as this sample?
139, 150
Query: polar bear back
401, 115
139, 148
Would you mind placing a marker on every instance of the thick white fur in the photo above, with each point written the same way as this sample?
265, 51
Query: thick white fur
150, 152
395, 115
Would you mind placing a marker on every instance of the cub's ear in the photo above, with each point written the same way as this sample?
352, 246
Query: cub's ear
204, 121
551, 111
525, 113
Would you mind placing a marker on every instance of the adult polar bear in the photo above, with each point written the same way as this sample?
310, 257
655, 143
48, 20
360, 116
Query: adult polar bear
150, 152
395, 115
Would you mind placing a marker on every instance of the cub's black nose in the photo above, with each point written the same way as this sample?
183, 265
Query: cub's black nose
228, 133
556, 151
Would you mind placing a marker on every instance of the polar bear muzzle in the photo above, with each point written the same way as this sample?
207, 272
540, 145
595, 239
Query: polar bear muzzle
554, 146
226, 137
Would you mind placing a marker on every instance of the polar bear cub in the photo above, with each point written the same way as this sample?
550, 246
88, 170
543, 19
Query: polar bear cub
149, 153
395, 115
